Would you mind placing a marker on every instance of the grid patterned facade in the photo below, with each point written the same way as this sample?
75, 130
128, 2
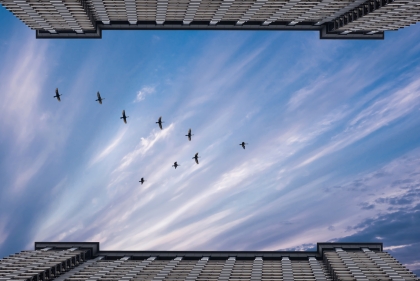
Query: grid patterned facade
361, 19
84, 262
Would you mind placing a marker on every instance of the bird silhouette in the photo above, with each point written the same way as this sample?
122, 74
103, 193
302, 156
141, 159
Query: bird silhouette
142, 180
124, 117
160, 122
175, 165
243, 144
99, 98
57, 95
189, 135
196, 158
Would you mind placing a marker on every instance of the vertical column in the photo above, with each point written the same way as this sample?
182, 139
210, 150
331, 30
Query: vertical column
66, 15
105, 270
136, 270
191, 10
371, 22
77, 269
317, 269
220, 13
257, 266
350, 264
342, 11
286, 268
101, 11
131, 10
382, 264
227, 269
167, 269
251, 11
162, 7
34, 15
314, 10
198, 267
283, 10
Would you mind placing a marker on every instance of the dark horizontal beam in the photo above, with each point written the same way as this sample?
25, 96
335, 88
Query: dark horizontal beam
321, 247
223, 25
324, 34
91, 247
213, 255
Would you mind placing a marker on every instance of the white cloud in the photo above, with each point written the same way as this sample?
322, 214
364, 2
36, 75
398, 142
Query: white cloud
234, 198
141, 95
379, 114
396, 247
144, 146
110, 147
413, 266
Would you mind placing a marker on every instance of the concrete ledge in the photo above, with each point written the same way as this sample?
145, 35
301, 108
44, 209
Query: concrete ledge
223, 25
214, 255
92, 247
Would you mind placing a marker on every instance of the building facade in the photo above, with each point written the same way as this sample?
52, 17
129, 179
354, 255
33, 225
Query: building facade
77, 261
334, 19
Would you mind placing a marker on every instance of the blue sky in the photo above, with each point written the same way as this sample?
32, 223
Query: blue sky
332, 127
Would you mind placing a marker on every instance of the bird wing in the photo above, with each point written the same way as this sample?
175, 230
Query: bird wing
160, 119
160, 126
123, 113
57, 95
196, 160
189, 137
189, 132
196, 155
99, 95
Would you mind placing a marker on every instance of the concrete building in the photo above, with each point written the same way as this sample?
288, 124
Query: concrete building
334, 19
68, 261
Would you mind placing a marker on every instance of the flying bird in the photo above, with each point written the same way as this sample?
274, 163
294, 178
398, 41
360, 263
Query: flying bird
243, 144
189, 135
175, 165
196, 158
99, 98
124, 117
142, 180
57, 95
160, 122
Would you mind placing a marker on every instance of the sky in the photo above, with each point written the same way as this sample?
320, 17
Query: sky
332, 128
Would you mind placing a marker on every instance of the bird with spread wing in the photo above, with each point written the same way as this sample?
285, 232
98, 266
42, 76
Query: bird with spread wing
124, 117
196, 158
57, 95
99, 98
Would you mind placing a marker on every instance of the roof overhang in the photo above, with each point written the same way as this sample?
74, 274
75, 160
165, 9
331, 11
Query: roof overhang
196, 25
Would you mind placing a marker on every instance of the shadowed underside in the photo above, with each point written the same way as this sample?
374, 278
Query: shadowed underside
334, 19
82, 261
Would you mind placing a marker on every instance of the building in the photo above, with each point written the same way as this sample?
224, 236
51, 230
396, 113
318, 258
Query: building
68, 261
334, 19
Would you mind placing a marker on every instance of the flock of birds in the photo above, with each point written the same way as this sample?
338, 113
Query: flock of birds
159, 122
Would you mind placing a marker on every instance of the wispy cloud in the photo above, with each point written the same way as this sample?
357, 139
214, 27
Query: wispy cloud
396, 247
147, 90
110, 147
144, 146
294, 185
381, 113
